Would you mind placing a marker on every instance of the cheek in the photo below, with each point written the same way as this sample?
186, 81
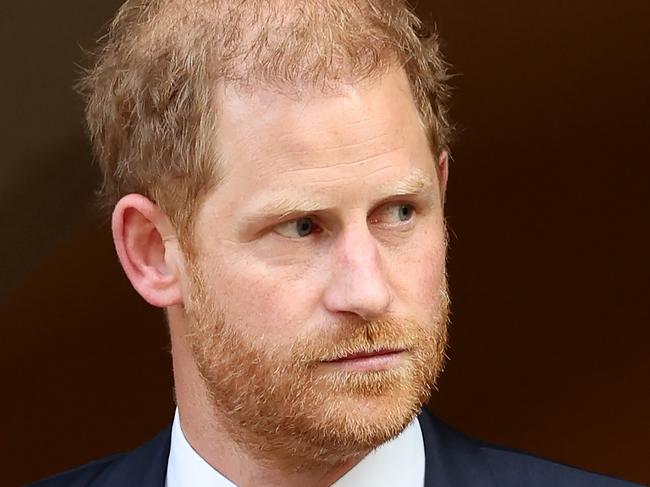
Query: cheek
418, 274
269, 300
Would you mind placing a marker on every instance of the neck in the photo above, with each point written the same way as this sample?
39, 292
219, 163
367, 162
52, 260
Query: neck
206, 431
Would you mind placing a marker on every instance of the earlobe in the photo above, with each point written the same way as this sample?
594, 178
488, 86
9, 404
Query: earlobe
140, 233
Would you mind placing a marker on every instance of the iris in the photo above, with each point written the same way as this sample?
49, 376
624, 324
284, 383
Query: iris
304, 226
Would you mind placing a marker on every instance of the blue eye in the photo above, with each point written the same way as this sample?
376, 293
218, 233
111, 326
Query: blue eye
302, 227
394, 214
405, 212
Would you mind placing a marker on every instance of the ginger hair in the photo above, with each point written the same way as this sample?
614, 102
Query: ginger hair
151, 91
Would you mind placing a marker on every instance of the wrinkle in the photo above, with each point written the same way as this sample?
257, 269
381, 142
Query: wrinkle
350, 178
350, 164
352, 145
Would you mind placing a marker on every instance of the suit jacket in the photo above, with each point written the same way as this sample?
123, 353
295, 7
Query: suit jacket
451, 460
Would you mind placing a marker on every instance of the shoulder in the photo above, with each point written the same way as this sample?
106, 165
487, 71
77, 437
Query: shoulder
452, 457
81, 476
146, 466
515, 468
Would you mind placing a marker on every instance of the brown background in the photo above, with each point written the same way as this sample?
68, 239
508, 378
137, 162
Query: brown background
548, 208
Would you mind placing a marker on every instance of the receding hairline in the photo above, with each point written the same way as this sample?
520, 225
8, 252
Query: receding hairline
148, 89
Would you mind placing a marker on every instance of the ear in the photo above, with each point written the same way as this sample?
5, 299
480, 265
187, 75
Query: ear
145, 242
443, 173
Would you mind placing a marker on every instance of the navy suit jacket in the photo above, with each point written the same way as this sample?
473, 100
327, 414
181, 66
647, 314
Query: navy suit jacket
451, 460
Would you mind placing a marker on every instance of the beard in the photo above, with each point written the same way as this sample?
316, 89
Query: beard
279, 403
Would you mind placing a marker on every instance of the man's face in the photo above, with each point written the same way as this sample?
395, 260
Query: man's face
324, 239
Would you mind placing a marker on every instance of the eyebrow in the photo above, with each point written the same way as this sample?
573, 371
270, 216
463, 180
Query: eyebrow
416, 183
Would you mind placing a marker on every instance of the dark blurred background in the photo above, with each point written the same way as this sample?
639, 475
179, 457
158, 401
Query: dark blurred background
548, 210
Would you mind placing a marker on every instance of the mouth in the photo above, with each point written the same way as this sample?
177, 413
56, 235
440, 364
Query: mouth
365, 361
364, 355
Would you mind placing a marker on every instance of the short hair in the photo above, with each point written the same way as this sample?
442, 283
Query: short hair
151, 103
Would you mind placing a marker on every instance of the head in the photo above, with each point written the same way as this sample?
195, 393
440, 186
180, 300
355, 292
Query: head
277, 172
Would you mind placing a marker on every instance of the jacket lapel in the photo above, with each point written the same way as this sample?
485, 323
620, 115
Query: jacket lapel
451, 459
144, 467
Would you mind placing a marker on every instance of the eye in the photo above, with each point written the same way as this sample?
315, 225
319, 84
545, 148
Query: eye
405, 212
394, 214
299, 228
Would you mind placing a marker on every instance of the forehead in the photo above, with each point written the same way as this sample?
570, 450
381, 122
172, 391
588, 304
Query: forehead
353, 137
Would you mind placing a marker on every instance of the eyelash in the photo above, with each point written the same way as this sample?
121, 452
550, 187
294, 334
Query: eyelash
319, 229
413, 207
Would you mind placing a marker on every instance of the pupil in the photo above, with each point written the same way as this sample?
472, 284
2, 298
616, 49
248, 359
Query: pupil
304, 227
404, 212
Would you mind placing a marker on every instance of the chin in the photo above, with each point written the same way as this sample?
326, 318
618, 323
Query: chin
358, 421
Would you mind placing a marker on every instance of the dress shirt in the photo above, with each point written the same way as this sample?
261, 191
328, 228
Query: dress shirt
396, 463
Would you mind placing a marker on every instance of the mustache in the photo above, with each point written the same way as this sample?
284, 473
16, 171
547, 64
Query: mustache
363, 336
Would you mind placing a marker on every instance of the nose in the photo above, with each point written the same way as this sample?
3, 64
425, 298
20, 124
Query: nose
358, 283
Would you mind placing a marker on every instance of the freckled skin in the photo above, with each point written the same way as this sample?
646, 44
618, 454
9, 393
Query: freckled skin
337, 149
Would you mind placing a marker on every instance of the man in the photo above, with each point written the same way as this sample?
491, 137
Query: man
277, 175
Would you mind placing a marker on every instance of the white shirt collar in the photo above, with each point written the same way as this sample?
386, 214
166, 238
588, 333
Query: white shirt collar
396, 463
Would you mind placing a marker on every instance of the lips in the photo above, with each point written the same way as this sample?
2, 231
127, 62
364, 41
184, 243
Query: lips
365, 355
